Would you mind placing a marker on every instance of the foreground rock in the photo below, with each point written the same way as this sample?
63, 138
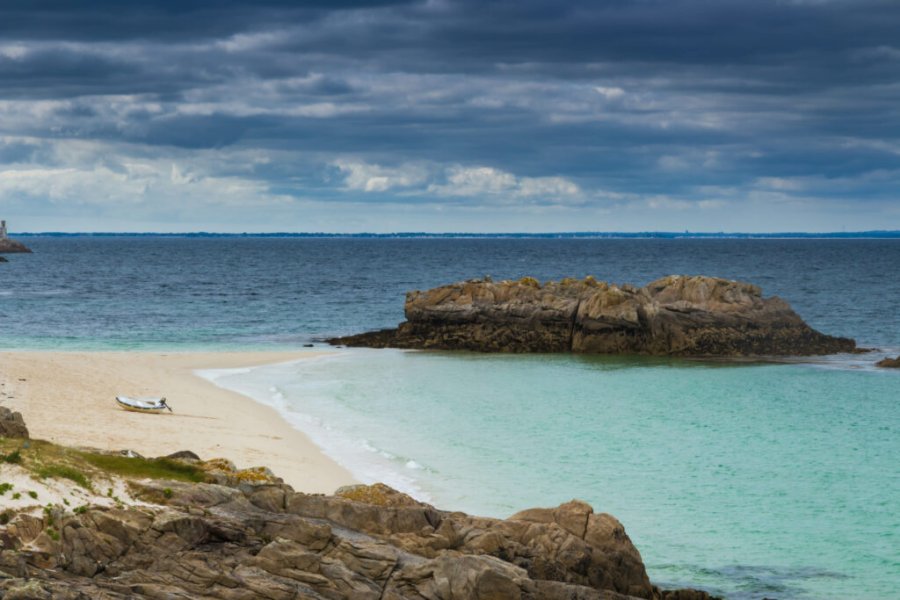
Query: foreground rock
249, 536
676, 315
12, 425
890, 363
266, 541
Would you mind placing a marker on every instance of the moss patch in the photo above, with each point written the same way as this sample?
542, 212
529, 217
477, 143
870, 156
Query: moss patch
152, 468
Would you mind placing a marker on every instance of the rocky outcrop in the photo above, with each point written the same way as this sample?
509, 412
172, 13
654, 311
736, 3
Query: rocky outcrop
267, 541
248, 537
244, 534
675, 315
8, 246
890, 363
12, 425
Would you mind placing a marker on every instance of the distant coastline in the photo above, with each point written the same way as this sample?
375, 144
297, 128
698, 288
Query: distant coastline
665, 235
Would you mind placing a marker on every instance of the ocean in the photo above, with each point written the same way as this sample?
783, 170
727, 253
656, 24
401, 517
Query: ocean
747, 479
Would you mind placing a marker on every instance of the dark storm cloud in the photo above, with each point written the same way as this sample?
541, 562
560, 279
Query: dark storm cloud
691, 99
111, 20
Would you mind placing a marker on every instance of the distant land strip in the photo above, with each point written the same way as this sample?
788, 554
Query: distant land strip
665, 235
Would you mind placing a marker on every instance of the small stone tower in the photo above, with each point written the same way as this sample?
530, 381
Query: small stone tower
8, 245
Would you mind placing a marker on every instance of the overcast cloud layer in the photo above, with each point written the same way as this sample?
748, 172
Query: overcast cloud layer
526, 115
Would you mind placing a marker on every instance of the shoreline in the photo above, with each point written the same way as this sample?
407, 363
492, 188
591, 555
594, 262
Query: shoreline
69, 398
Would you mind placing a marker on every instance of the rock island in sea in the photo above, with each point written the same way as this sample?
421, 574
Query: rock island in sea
8, 246
79, 524
675, 315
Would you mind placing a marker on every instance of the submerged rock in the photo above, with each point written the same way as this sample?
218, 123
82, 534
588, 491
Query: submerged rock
890, 363
675, 315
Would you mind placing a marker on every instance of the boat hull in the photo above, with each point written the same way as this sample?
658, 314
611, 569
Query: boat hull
140, 407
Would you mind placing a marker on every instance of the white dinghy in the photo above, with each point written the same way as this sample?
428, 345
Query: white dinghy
145, 405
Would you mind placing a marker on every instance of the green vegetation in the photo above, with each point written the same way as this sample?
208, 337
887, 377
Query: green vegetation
5, 517
65, 472
47, 460
89, 471
152, 468
54, 535
13, 458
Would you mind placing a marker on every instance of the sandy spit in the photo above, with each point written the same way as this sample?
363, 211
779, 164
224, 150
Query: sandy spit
69, 398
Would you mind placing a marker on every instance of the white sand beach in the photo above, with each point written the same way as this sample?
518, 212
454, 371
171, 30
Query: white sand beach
69, 398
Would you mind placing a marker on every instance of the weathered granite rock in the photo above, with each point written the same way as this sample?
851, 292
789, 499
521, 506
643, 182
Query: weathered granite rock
184, 455
8, 246
890, 363
250, 536
12, 425
675, 315
267, 541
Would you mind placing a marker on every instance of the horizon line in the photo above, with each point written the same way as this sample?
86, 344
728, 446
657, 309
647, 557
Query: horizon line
881, 233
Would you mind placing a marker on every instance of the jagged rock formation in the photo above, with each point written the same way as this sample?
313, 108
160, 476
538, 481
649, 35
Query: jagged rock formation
675, 315
12, 425
890, 363
245, 535
266, 541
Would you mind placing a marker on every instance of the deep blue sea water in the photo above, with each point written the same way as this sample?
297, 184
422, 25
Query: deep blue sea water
753, 480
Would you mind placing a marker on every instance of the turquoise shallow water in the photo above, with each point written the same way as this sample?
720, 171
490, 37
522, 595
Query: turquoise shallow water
776, 480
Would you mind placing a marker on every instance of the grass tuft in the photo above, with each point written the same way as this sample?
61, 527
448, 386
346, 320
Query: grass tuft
151, 468
13, 458
64, 472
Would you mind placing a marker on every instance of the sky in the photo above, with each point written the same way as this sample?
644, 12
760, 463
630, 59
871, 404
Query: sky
450, 115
